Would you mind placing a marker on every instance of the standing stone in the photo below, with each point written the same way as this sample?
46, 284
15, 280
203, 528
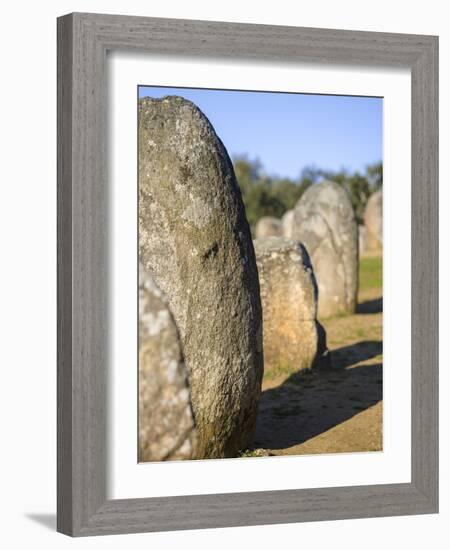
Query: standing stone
362, 239
194, 237
292, 337
325, 223
267, 226
287, 222
373, 221
166, 420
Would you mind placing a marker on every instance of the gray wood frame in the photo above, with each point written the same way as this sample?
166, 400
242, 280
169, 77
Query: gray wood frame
83, 40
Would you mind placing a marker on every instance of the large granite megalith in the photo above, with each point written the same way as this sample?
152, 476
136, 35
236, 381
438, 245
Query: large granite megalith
293, 338
166, 420
373, 221
325, 223
194, 237
268, 226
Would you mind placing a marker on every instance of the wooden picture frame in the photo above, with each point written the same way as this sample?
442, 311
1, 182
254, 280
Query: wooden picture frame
83, 40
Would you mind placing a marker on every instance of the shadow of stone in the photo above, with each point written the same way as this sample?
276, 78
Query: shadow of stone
309, 403
47, 520
355, 353
371, 306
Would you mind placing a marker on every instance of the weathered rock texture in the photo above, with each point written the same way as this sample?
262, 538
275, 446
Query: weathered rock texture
291, 332
325, 223
166, 420
267, 226
362, 239
287, 222
194, 237
373, 221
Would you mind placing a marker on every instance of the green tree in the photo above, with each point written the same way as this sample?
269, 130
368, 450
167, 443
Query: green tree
247, 172
374, 174
273, 196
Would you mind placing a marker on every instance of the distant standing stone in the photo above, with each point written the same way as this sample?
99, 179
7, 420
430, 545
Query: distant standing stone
267, 226
291, 335
194, 237
325, 223
373, 221
287, 222
362, 239
166, 420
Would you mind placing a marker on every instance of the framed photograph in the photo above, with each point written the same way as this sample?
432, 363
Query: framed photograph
247, 274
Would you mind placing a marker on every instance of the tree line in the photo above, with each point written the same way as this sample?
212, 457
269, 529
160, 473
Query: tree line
265, 195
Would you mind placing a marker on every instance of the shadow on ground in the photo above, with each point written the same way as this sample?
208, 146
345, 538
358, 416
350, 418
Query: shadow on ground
355, 353
46, 520
309, 403
370, 306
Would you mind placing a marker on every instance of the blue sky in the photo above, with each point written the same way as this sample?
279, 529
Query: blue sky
288, 132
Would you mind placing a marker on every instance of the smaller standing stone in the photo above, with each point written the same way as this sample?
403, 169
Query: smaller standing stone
373, 221
287, 222
292, 337
166, 421
267, 226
